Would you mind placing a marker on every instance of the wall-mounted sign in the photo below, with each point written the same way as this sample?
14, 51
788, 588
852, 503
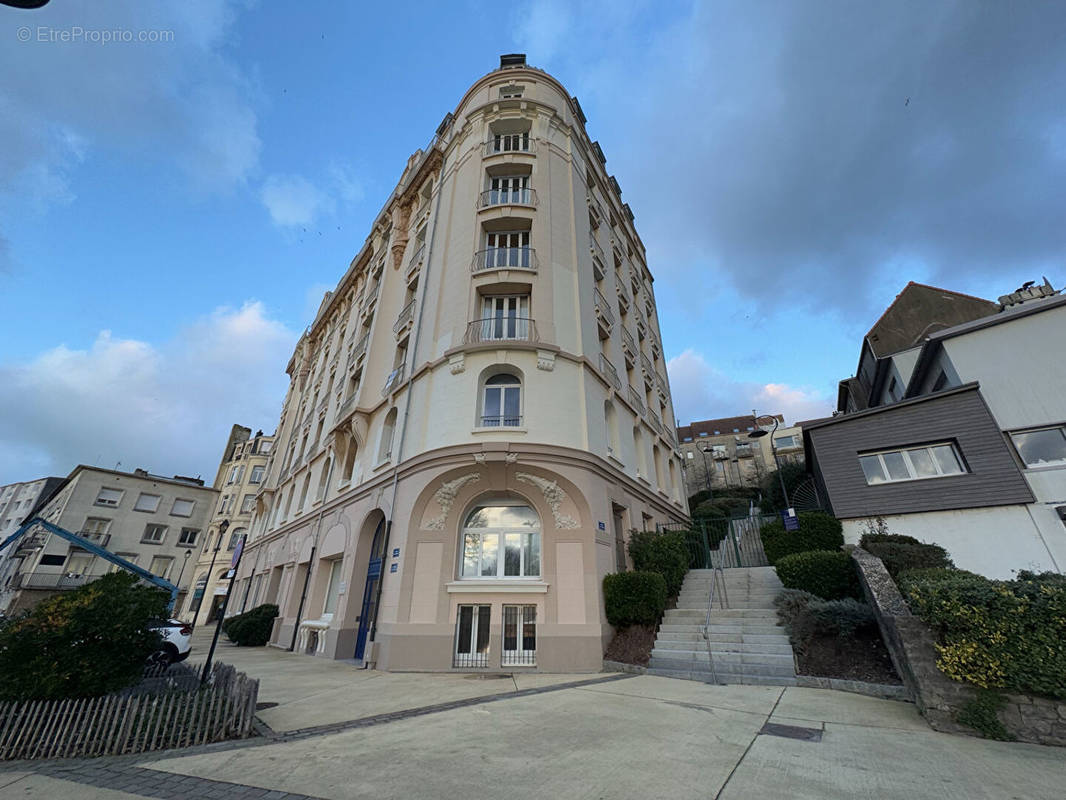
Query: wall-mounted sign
602, 526
396, 552
790, 520
394, 567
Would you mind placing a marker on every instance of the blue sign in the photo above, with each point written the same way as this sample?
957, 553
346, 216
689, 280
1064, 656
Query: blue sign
601, 526
790, 520
394, 567
396, 552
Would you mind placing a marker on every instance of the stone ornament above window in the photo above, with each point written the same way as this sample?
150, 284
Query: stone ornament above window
445, 497
555, 497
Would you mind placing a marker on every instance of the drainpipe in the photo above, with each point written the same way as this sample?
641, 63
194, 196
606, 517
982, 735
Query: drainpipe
407, 403
311, 562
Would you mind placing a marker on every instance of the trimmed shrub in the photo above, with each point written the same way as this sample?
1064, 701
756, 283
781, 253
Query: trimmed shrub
82, 643
793, 474
995, 634
666, 553
818, 531
829, 574
806, 616
252, 628
634, 598
903, 553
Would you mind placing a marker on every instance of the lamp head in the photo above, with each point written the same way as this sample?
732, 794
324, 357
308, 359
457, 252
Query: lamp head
758, 433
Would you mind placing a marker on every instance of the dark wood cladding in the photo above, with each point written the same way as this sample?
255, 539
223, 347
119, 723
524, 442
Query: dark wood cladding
958, 416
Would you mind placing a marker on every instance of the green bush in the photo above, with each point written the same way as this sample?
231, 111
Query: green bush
903, 553
806, 616
666, 553
829, 574
252, 628
634, 598
82, 643
995, 634
817, 531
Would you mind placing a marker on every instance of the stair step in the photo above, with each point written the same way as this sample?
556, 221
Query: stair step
720, 657
745, 629
722, 668
774, 648
725, 677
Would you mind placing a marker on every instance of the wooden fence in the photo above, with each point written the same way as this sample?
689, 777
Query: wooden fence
131, 723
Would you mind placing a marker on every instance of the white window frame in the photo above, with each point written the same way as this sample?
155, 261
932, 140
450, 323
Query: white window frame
247, 503
500, 535
182, 537
336, 569
519, 656
912, 472
142, 496
479, 630
504, 318
101, 501
1058, 464
233, 474
174, 507
150, 540
256, 475
85, 528
502, 420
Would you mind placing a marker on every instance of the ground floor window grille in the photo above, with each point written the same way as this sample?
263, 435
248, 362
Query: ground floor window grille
472, 636
519, 636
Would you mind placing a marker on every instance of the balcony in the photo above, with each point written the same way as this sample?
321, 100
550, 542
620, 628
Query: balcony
595, 213
355, 355
599, 260
505, 258
656, 348
656, 423
660, 386
629, 348
346, 408
618, 252
642, 324
636, 399
416, 262
647, 371
504, 143
604, 317
501, 329
501, 422
322, 407
405, 320
370, 300
56, 580
508, 197
607, 368
623, 295
394, 379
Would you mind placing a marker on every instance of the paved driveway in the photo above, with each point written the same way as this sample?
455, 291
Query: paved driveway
609, 737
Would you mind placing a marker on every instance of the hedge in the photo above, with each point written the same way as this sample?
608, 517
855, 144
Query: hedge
634, 598
902, 553
666, 553
817, 531
252, 628
829, 574
807, 616
995, 634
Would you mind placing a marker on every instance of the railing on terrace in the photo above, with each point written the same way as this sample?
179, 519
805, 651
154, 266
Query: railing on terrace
656, 423
629, 342
393, 380
504, 421
508, 197
505, 258
602, 308
510, 143
597, 250
607, 368
406, 316
636, 399
416, 259
645, 365
371, 296
358, 349
347, 406
55, 580
505, 328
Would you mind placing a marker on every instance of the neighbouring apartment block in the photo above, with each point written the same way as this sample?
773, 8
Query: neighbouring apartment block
241, 474
18, 501
956, 433
153, 521
479, 412
718, 453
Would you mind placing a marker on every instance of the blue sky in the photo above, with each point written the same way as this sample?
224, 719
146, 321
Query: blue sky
171, 212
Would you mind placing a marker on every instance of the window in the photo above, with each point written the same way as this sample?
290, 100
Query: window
915, 463
349, 461
95, 527
510, 92
233, 474
222, 503
109, 497
1042, 448
504, 317
52, 560
508, 142
257, 475
147, 502
182, 508
501, 542
235, 537
704, 433
611, 419
188, 537
131, 557
154, 534
894, 391
502, 401
248, 503
519, 636
333, 590
472, 636
785, 442
161, 566
387, 432
323, 479
510, 189
508, 249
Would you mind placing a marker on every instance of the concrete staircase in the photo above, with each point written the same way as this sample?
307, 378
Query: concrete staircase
746, 643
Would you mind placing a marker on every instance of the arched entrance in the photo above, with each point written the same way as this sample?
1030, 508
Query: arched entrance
370, 590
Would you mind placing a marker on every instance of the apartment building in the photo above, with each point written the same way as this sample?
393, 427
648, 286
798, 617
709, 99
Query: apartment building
479, 413
962, 440
718, 453
153, 521
18, 501
241, 474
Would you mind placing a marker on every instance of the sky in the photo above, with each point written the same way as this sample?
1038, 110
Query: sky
172, 207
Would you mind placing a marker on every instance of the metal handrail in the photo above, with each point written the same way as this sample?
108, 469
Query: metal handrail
508, 197
501, 421
608, 369
504, 258
503, 143
497, 329
601, 306
405, 316
636, 399
394, 379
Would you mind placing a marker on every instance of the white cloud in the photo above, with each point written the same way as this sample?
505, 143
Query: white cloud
167, 408
701, 391
293, 201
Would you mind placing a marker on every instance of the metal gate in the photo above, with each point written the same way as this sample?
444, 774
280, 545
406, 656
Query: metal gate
726, 543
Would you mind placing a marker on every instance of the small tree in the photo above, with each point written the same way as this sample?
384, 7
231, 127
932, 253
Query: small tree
83, 643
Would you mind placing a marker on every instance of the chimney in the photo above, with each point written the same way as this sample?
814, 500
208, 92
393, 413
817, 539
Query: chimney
513, 60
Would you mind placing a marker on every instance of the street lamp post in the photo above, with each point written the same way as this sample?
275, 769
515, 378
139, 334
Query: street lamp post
183, 563
234, 563
222, 528
758, 433
705, 449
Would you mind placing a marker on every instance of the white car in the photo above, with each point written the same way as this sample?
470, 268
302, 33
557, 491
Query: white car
176, 644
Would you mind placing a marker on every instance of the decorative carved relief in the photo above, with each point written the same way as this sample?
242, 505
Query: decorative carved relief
479, 458
457, 363
553, 495
401, 218
511, 458
446, 495
545, 360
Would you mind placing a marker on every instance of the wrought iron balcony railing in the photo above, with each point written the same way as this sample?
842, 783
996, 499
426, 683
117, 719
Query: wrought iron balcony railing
508, 197
502, 328
505, 258
510, 143
607, 368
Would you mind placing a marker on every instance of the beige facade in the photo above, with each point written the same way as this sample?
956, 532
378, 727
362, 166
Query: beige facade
241, 474
718, 453
479, 412
17, 501
153, 521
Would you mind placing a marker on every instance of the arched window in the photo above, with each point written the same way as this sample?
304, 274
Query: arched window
673, 480
501, 402
501, 541
303, 493
387, 433
642, 456
657, 458
349, 461
323, 479
611, 418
